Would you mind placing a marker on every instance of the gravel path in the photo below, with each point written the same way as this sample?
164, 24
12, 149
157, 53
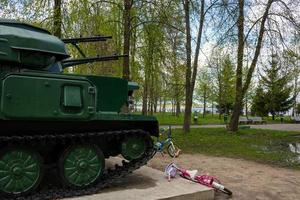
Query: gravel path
283, 127
248, 180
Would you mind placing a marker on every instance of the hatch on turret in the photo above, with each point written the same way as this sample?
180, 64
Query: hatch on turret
28, 46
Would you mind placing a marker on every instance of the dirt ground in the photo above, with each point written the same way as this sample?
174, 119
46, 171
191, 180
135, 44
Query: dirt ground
246, 179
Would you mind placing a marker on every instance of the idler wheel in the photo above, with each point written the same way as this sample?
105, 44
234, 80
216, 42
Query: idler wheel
133, 147
20, 172
81, 165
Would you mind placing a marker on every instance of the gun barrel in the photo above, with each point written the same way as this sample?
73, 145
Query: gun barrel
73, 62
85, 39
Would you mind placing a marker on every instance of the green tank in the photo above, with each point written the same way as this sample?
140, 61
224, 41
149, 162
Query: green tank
63, 125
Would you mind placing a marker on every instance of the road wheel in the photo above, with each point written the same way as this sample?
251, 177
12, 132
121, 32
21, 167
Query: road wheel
133, 147
20, 172
81, 165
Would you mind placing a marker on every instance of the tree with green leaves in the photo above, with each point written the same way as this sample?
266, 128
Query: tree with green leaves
291, 59
57, 18
242, 86
204, 89
277, 92
298, 109
192, 66
126, 36
226, 86
258, 107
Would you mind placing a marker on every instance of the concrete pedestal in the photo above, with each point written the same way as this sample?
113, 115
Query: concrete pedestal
150, 184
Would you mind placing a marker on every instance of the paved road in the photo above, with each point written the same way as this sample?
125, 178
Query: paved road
282, 127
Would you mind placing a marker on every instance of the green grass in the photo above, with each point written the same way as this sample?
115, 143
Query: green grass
171, 119
286, 119
264, 146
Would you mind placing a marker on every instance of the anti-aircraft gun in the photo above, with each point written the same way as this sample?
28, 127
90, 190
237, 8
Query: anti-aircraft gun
85, 60
62, 122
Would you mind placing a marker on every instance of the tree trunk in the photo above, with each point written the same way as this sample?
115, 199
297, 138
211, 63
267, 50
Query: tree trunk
177, 108
190, 78
151, 107
212, 109
246, 107
233, 125
164, 105
145, 98
240, 89
295, 95
173, 107
160, 105
258, 46
126, 35
151, 92
188, 46
198, 44
57, 18
155, 105
220, 90
177, 99
132, 54
204, 103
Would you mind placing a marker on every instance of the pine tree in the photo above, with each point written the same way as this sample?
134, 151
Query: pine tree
227, 79
277, 88
259, 102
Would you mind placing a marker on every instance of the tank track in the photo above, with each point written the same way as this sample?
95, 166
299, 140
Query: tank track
109, 176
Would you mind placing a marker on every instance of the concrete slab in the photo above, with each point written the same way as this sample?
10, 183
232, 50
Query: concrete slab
150, 184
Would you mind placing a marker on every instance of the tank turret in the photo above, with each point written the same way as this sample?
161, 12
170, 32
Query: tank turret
27, 46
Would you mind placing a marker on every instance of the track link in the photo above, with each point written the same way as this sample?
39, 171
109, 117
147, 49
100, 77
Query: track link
109, 176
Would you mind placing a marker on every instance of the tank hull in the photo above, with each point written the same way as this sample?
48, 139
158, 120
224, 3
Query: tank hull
23, 127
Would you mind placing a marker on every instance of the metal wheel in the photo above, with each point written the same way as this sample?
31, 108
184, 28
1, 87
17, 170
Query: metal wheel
20, 172
133, 148
81, 165
172, 150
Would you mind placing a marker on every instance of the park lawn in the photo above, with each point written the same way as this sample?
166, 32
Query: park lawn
265, 146
171, 119
277, 120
